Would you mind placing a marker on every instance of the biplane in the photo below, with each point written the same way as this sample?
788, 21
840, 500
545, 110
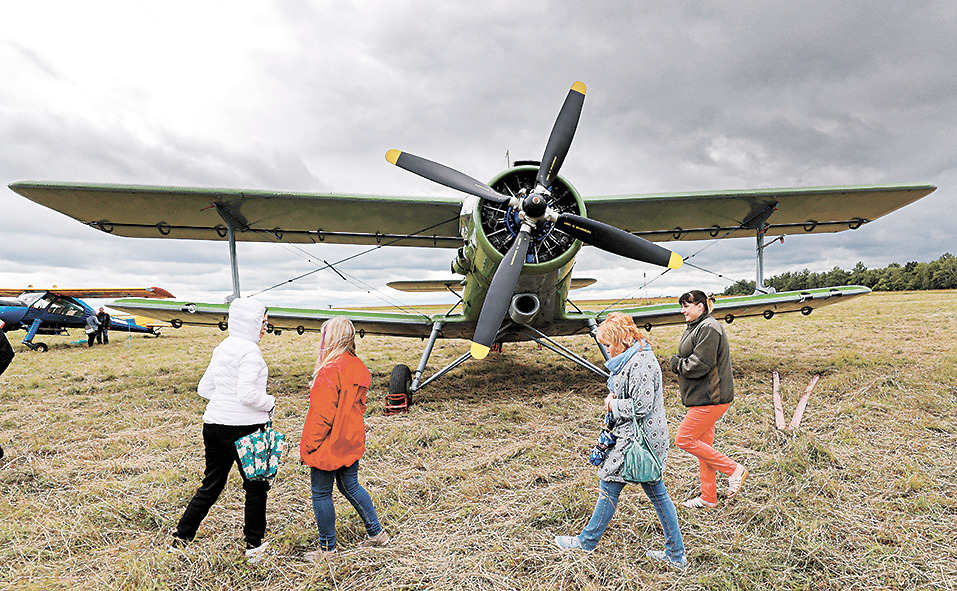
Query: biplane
515, 240
54, 311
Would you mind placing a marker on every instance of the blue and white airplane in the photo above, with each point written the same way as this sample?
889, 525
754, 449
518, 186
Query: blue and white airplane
53, 311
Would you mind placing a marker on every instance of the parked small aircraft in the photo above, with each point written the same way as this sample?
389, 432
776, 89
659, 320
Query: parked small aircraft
516, 239
53, 311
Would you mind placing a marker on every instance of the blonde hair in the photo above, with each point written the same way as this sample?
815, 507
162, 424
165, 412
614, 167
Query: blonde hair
620, 328
337, 336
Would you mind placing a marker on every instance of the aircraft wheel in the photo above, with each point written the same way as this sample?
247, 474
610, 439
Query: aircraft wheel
806, 310
729, 318
769, 314
400, 389
40, 347
176, 323
222, 325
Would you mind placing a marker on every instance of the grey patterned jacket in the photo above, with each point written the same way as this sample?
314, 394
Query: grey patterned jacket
640, 378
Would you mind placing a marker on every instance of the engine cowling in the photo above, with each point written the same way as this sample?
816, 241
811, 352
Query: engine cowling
500, 223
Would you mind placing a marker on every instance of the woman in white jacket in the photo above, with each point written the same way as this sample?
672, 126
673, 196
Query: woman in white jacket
235, 384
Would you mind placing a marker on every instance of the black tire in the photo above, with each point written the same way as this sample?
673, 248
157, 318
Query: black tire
176, 323
1, 452
729, 318
768, 314
400, 382
806, 310
40, 347
222, 325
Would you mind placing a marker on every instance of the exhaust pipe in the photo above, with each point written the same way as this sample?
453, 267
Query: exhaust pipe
524, 307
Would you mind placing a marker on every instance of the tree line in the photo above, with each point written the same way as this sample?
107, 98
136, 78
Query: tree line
939, 274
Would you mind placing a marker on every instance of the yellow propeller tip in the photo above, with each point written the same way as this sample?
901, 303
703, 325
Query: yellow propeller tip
392, 155
675, 262
479, 351
579, 87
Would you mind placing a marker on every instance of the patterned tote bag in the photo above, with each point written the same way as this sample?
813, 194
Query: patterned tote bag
260, 452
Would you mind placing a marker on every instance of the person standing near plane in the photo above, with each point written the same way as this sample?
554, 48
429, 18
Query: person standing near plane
6, 350
92, 328
104, 333
6, 356
235, 384
634, 389
703, 365
333, 436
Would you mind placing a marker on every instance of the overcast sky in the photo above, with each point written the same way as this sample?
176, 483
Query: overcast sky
308, 96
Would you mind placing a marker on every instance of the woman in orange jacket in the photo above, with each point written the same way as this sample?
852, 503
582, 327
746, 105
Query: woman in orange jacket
333, 436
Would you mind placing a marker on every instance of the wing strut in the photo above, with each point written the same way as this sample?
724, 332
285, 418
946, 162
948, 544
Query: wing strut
759, 224
232, 223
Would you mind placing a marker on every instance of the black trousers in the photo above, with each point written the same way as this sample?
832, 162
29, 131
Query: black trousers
221, 456
6, 352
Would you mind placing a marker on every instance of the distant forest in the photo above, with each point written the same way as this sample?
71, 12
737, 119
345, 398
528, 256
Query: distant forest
939, 274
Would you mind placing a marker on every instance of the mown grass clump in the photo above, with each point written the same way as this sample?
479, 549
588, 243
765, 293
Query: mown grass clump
103, 450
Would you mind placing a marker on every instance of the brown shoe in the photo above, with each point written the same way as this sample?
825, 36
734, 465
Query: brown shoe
380, 539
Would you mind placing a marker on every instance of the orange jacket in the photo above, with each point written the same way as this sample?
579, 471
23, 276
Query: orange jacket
334, 434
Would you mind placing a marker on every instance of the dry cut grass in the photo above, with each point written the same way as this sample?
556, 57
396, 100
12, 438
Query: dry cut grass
103, 451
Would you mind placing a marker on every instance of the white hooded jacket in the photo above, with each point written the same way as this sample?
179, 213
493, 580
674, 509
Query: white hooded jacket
235, 380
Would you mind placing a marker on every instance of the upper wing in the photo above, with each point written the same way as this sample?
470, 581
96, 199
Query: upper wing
145, 292
300, 319
720, 214
263, 216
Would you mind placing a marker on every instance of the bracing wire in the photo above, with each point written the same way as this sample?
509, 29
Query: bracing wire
369, 289
710, 243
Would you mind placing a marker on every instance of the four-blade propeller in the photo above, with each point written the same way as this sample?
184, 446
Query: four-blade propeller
533, 208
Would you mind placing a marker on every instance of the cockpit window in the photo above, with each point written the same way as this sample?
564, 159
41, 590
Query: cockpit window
65, 307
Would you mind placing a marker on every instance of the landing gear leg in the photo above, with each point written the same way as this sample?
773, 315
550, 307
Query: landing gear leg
32, 332
593, 331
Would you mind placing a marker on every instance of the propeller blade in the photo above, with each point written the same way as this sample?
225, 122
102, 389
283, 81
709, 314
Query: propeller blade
444, 175
562, 133
499, 295
617, 241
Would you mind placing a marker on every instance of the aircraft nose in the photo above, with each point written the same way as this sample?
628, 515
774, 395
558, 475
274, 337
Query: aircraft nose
12, 315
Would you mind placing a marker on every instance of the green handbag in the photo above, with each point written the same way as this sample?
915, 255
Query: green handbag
641, 464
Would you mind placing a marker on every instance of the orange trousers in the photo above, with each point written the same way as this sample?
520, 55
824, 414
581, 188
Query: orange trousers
696, 436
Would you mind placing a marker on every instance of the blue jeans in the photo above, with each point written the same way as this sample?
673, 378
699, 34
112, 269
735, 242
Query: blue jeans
605, 509
347, 481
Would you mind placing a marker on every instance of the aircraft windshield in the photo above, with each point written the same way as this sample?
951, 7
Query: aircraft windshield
31, 298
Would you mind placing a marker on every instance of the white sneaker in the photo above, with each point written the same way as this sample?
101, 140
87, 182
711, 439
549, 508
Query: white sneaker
663, 557
569, 543
254, 555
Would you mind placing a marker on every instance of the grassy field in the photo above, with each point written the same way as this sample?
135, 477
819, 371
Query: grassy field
103, 450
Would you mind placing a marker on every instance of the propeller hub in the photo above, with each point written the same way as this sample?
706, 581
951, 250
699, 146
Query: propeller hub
534, 206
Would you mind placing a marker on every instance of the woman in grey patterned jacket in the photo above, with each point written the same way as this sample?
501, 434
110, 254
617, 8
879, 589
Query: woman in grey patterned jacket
633, 388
